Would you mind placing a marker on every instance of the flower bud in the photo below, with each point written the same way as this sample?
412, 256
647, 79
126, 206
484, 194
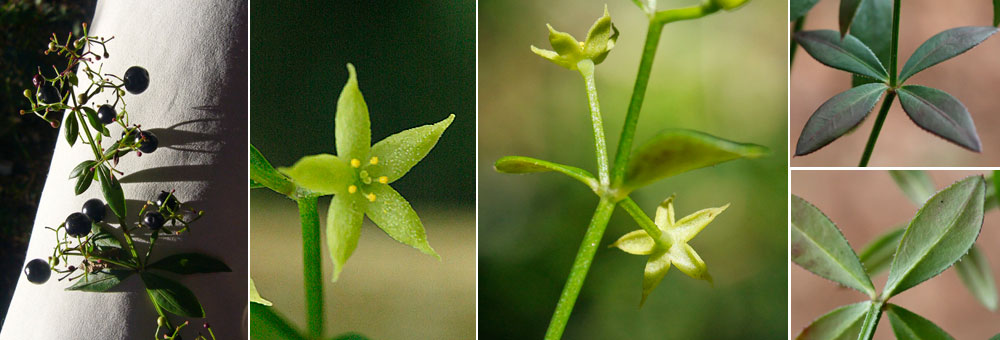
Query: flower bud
568, 51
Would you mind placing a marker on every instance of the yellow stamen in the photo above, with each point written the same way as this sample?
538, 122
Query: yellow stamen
371, 197
373, 161
352, 189
355, 163
383, 180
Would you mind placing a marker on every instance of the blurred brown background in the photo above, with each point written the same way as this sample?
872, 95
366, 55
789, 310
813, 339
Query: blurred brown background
972, 77
865, 204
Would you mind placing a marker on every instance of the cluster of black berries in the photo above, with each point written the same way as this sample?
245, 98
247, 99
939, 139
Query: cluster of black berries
154, 219
78, 224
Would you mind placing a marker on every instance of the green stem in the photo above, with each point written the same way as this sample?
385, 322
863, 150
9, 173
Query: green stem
894, 47
795, 45
871, 320
581, 265
312, 266
641, 218
586, 68
882, 112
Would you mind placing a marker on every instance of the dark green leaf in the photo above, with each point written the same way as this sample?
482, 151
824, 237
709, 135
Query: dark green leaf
819, 247
974, 270
262, 172
83, 181
72, 128
266, 323
910, 326
799, 8
877, 255
101, 281
351, 336
190, 263
676, 151
944, 46
916, 184
848, 9
941, 114
873, 26
838, 116
996, 12
522, 165
103, 239
112, 190
942, 231
96, 123
79, 169
172, 296
842, 323
847, 54
996, 337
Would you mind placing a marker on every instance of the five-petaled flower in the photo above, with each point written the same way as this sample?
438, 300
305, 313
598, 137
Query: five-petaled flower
670, 246
569, 52
360, 174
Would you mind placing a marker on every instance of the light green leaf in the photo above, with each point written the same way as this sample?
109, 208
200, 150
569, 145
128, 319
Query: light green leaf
847, 54
843, 323
400, 152
113, 193
656, 269
101, 281
848, 9
941, 114
353, 129
190, 263
636, 243
974, 270
944, 46
172, 296
393, 214
676, 151
343, 228
522, 165
838, 116
877, 255
942, 231
72, 128
819, 247
916, 184
262, 172
255, 296
910, 326
799, 8
323, 174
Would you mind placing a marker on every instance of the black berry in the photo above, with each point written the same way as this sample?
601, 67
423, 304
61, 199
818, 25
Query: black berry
167, 199
49, 94
136, 79
106, 114
153, 220
94, 209
37, 80
78, 225
37, 271
147, 141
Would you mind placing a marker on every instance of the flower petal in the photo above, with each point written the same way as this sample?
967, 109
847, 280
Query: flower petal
656, 268
688, 261
343, 227
636, 243
563, 43
323, 174
689, 226
400, 152
391, 212
665, 213
352, 128
601, 38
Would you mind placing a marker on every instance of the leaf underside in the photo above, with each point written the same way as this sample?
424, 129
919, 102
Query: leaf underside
843, 323
837, 116
941, 114
819, 247
847, 54
907, 325
944, 46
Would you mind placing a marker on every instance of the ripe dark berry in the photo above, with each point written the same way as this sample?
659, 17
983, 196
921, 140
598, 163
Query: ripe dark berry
37, 80
94, 209
37, 271
147, 141
49, 94
78, 225
163, 200
136, 80
153, 220
106, 114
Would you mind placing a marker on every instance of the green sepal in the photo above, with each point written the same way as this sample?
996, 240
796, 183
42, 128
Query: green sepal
656, 268
323, 174
352, 128
393, 214
400, 152
343, 228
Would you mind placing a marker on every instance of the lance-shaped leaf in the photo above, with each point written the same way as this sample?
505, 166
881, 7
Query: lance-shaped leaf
941, 114
676, 151
72, 128
400, 152
101, 281
916, 184
842, 323
974, 270
848, 10
323, 174
262, 172
908, 325
190, 263
873, 26
942, 231
522, 165
944, 46
352, 128
799, 8
877, 255
113, 193
838, 116
393, 214
819, 247
847, 54
84, 181
343, 228
255, 295
172, 296
95, 122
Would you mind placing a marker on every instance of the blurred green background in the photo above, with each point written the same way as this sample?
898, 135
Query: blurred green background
724, 74
416, 65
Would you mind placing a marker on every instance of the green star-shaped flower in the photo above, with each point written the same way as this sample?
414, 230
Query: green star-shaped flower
360, 174
670, 246
568, 51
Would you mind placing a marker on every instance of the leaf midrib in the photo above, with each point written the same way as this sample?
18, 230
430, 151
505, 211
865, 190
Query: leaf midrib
948, 118
869, 285
813, 137
883, 72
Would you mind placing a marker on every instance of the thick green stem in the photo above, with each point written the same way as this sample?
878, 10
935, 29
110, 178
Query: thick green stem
882, 112
871, 320
312, 266
795, 45
586, 68
581, 265
894, 47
